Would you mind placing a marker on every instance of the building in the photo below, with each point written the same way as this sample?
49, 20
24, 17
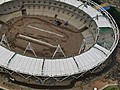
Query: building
100, 37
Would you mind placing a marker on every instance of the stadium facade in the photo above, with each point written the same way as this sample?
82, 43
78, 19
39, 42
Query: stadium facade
100, 40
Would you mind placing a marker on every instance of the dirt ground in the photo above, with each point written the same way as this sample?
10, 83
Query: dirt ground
118, 54
43, 29
101, 83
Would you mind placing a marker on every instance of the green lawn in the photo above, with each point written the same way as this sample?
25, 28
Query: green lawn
112, 88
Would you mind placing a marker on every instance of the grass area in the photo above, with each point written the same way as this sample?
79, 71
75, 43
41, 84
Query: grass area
112, 88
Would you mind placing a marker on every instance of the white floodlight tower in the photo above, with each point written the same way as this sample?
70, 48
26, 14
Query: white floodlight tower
82, 46
4, 40
58, 49
30, 48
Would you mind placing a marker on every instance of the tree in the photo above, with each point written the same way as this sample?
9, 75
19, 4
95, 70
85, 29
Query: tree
115, 14
97, 1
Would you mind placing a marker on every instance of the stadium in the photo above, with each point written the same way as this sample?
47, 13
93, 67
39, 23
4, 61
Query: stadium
54, 42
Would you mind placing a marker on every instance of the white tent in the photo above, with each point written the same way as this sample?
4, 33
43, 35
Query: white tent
2, 1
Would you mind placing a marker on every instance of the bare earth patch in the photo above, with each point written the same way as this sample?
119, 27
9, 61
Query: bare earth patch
42, 29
